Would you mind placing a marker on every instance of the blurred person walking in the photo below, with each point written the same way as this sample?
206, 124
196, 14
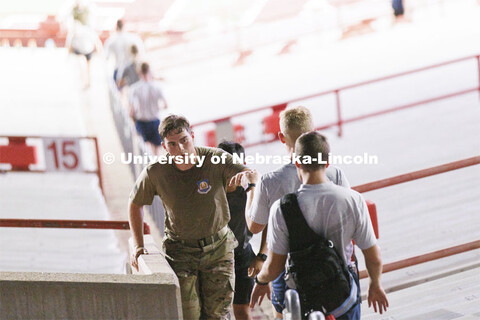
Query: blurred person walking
398, 9
294, 121
145, 98
303, 224
82, 40
119, 45
129, 75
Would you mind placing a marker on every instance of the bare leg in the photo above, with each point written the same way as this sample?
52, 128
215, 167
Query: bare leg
87, 82
242, 312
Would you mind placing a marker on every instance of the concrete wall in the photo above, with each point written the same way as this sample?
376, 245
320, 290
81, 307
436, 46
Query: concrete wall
152, 294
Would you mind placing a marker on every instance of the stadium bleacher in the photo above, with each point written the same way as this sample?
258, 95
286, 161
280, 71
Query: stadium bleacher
43, 97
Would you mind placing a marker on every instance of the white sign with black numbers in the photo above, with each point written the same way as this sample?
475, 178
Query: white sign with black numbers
62, 154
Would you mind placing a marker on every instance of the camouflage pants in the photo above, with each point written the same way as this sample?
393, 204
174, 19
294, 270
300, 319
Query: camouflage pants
206, 276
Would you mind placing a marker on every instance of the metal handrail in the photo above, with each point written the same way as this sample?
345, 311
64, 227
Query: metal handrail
417, 174
340, 121
316, 315
435, 255
293, 308
346, 87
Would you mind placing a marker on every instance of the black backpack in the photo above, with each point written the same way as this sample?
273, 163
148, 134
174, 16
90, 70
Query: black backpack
322, 279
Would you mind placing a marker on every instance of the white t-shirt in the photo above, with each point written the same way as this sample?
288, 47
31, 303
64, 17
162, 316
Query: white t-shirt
120, 44
82, 39
276, 184
338, 214
144, 98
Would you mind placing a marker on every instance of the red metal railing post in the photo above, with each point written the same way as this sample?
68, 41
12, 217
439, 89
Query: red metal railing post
339, 113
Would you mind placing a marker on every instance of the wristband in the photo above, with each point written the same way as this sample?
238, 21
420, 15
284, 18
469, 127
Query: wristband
258, 282
143, 249
250, 186
262, 256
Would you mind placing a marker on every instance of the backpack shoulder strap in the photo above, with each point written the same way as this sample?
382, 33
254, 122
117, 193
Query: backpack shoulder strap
300, 235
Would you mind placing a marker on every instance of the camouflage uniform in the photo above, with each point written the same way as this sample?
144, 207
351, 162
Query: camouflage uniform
210, 266
196, 209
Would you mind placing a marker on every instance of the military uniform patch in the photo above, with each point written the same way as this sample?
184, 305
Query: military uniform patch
203, 186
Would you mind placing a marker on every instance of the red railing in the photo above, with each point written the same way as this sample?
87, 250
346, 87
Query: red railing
124, 225
473, 245
340, 120
75, 224
415, 176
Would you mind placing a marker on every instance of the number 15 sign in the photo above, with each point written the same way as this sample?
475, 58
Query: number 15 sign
62, 154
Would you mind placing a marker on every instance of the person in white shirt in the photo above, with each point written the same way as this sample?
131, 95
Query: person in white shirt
83, 41
145, 96
119, 45
338, 214
293, 122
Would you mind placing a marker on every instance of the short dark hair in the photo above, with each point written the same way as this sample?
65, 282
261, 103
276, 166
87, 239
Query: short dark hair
119, 24
134, 50
144, 68
310, 144
173, 123
232, 147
